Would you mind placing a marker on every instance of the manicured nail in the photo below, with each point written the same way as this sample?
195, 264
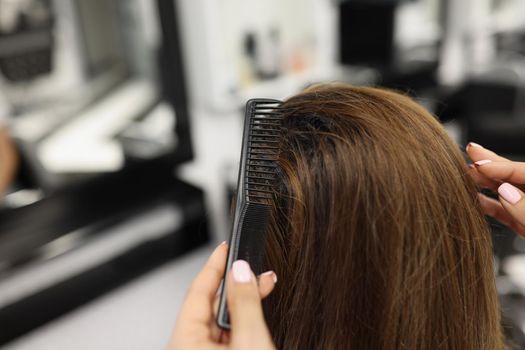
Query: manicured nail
482, 162
473, 144
272, 274
241, 271
471, 166
509, 193
223, 242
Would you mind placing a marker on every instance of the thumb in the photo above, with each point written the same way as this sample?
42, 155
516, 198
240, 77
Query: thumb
512, 200
248, 328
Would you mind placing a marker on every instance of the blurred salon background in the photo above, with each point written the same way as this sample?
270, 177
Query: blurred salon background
120, 133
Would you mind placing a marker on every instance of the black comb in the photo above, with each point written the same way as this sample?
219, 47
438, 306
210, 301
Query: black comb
255, 187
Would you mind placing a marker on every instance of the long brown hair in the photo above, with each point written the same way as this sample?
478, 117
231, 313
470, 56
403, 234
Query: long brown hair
376, 232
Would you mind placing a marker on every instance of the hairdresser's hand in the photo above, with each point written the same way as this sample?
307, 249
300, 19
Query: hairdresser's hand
196, 328
505, 177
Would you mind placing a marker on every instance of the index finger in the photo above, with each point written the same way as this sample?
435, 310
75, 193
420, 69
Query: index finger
197, 310
508, 171
477, 152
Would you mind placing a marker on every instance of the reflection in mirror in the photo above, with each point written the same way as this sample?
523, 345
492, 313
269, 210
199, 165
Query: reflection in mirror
83, 90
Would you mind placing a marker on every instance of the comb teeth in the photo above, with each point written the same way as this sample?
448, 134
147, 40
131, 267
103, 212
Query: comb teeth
263, 150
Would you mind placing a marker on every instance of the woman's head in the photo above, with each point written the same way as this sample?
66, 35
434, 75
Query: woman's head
376, 232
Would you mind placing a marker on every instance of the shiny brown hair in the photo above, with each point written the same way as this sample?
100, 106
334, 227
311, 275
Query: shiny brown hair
376, 234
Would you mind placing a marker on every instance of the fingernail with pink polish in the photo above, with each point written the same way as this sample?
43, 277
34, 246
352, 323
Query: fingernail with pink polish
272, 274
509, 193
241, 271
473, 144
482, 162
